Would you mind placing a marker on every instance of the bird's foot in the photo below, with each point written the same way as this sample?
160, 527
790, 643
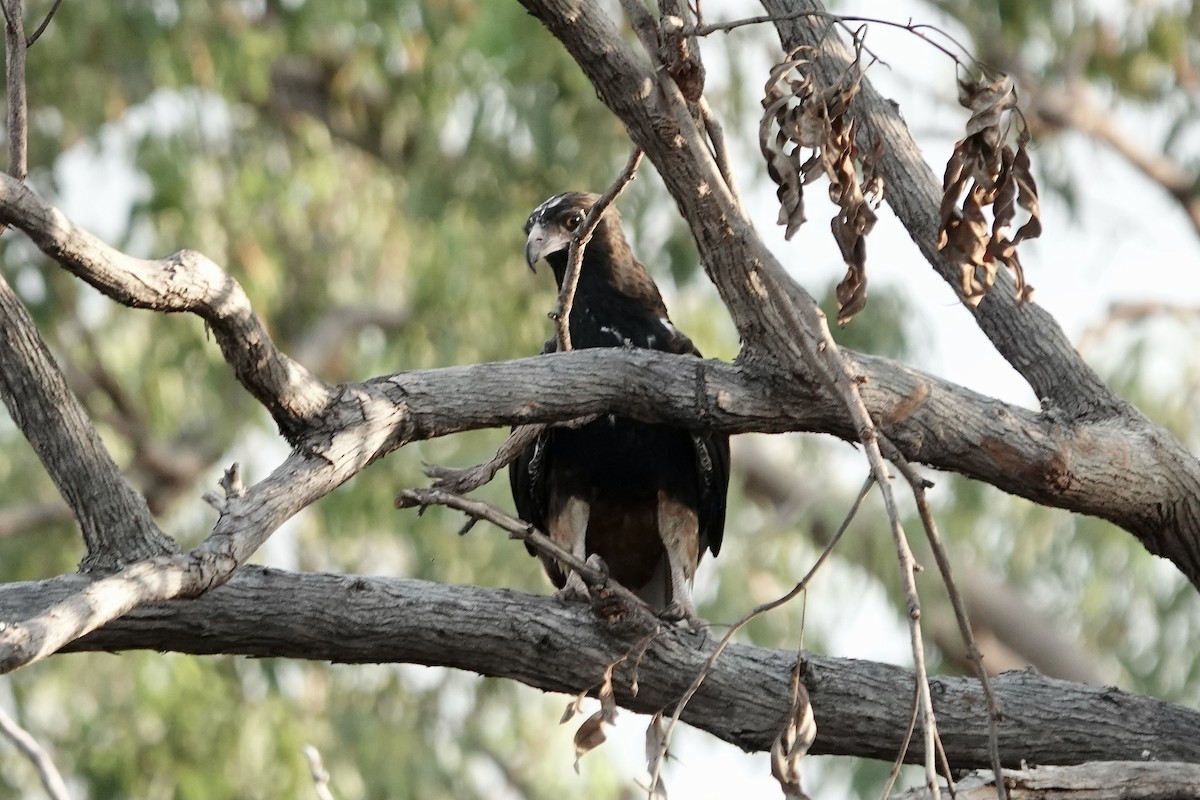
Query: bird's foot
605, 603
574, 590
682, 614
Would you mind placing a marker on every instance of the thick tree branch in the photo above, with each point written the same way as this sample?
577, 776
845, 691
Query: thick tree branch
185, 281
861, 707
113, 518
1113, 780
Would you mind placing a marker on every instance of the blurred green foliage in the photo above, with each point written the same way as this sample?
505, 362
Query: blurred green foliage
384, 155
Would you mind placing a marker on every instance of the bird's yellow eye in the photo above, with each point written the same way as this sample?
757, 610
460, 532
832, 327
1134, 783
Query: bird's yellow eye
573, 221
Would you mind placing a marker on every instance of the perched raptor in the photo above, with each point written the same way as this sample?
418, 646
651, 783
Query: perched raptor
648, 499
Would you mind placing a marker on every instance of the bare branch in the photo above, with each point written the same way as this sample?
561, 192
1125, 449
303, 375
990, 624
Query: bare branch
1121, 780
566, 295
755, 612
320, 775
917, 29
185, 281
33, 37
18, 110
919, 485
1074, 107
594, 578
29, 747
464, 480
113, 518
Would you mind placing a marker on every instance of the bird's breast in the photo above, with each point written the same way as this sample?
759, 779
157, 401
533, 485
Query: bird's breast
609, 329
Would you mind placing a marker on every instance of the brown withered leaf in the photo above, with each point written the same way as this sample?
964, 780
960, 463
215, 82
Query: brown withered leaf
987, 102
573, 708
797, 118
656, 737
608, 700
591, 733
1027, 194
984, 172
589, 736
851, 294
791, 745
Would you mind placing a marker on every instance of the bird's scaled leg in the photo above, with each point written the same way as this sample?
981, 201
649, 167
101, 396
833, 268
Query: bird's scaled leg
680, 530
571, 527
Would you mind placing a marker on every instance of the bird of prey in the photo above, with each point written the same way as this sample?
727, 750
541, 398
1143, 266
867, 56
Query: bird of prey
649, 499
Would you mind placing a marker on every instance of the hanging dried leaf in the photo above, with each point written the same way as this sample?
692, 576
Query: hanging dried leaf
982, 172
792, 743
608, 699
573, 708
591, 733
799, 117
656, 737
589, 736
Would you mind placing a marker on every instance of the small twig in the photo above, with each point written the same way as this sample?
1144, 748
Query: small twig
519, 529
917, 29
908, 571
762, 609
948, 774
320, 775
30, 748
45, 24
816, 348
903, 751
18, 112
566, 295
919, 484
464, 480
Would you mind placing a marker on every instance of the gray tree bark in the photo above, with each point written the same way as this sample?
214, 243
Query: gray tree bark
861, 707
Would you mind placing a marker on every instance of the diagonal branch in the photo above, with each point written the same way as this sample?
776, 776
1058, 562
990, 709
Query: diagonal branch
186, 281
566, 295
113, 518
18, 106
29, 747
594, 577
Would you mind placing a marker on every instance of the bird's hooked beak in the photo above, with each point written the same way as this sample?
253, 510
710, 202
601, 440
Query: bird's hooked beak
544, 241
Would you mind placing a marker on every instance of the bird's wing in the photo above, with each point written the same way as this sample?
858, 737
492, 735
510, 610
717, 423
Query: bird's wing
712, 461
530, 488
527, 476
712, 468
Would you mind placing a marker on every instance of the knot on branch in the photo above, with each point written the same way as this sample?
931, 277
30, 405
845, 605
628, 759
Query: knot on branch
231, 484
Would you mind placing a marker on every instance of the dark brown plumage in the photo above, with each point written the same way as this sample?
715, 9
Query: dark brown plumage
648, 499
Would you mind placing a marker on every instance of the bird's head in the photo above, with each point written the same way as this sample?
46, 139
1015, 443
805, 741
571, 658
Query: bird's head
553, 224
